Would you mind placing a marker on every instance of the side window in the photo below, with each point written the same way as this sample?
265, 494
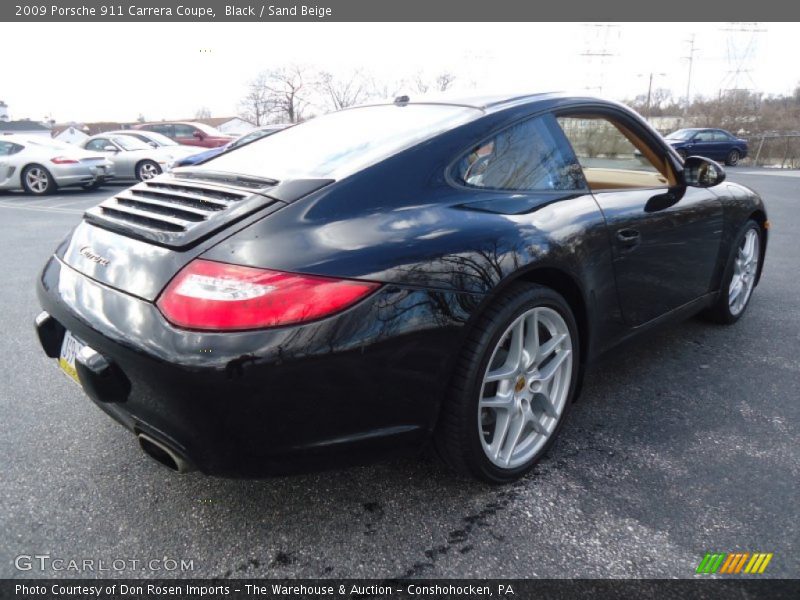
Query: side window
184, 131
9, 148
704, 136
530, 156
98, 145
162, 129
721, 136
613, 156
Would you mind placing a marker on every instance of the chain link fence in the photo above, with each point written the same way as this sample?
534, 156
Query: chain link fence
777, 150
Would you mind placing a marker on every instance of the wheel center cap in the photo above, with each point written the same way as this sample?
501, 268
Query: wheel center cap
520, 385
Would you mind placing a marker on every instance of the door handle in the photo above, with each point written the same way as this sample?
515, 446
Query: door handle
629, 237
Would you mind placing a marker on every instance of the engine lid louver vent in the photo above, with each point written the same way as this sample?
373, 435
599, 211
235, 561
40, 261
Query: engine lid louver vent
177, 212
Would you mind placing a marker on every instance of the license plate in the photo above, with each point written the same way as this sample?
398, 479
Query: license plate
69, 351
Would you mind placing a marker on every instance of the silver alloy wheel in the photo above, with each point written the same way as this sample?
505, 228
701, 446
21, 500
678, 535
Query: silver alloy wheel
147, 171
37, 180
745, 267
733, 158
525, 387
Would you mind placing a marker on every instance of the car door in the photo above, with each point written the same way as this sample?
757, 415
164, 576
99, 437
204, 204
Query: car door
665, 237
101, 145
704, 144
724, 144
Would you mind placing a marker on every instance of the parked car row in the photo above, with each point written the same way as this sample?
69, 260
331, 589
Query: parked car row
40, 166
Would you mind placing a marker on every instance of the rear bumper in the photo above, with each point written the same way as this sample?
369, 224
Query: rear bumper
359, 385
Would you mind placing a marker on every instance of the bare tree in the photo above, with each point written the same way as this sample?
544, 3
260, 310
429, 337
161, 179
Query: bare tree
286, 93
256, 106
421, 83
440, 83
203, 113
444, 81
342, 92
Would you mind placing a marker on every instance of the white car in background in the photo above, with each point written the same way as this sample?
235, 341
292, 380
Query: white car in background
157, 140
132, 158
40, 165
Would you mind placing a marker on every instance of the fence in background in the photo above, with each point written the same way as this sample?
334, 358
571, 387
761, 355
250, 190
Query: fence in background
781, 150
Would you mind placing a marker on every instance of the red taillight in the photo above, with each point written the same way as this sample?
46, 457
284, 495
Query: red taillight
63, 160
217, 296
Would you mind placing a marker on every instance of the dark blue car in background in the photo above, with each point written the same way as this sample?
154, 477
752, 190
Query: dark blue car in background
252, 136
716, 144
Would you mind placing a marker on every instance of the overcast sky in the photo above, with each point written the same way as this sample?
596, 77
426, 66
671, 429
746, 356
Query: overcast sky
115, 71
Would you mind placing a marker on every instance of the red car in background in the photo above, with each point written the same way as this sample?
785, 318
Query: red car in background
189, 134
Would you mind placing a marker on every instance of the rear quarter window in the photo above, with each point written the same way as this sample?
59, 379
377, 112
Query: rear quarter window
529, 156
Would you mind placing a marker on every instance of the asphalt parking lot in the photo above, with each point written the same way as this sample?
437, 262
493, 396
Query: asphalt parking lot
684, 443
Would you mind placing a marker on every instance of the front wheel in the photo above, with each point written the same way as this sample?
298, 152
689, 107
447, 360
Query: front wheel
512, 388
740, 276
147, 169
37, 180
733, 158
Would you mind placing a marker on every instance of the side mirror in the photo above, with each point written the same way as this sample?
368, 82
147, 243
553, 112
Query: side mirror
110, 148
702, 172
198, 134
152, 144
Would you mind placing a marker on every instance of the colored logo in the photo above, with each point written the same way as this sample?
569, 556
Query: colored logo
734, 563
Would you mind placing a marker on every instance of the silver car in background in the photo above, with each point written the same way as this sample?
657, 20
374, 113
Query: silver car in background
132, 158
41, 165
157, 140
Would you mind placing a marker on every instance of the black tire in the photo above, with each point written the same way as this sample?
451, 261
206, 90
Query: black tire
733, 158
47, 186
457, 439
720, 311
145, 167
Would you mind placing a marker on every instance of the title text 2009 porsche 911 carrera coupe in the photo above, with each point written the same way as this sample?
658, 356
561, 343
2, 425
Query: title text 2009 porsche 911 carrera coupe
384, 276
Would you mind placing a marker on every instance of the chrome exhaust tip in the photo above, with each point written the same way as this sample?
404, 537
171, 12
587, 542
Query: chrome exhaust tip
163, 454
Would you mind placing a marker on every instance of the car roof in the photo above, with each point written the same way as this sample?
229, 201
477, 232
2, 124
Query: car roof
495, 102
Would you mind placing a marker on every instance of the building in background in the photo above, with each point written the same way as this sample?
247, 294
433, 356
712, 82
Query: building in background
72, 134
3, 111
25, 127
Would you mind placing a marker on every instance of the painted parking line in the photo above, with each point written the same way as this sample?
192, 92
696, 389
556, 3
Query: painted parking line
68, 211
76, 201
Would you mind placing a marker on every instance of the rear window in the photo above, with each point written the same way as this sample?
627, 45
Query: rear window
341, 143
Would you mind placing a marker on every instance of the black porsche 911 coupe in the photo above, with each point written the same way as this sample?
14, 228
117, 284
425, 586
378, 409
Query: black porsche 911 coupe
389, 275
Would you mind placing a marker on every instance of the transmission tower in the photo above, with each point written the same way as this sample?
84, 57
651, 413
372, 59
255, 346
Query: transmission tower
601, 41
742, 47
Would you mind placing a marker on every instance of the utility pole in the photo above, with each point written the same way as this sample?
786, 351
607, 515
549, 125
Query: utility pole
690, 58
650, 89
